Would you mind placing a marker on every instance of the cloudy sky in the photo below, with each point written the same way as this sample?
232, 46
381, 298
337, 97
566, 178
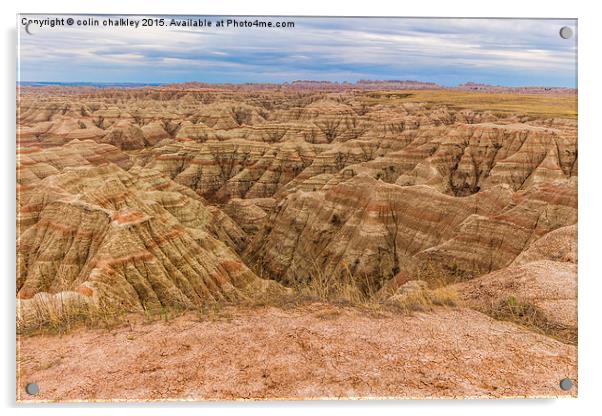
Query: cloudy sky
445, 51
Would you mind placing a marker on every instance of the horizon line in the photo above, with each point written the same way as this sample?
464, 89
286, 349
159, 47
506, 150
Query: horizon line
344, 82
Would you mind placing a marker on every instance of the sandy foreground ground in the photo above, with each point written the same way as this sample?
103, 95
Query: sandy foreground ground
310, 352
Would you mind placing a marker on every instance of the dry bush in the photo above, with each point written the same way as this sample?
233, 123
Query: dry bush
59, 314
349, 290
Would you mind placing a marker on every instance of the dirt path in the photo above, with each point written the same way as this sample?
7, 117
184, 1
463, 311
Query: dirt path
316, 351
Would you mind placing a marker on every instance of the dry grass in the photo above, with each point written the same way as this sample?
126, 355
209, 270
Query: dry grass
162, 313
434, 274
526, 314
349, 290
50, 315
213, 312
426, 300
344, 289
541, 105
438, 275
58, 315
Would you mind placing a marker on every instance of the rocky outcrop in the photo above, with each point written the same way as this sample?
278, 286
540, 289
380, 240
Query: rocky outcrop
399, 219
488, 242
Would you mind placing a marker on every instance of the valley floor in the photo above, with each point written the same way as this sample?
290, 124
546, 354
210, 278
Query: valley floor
315, 351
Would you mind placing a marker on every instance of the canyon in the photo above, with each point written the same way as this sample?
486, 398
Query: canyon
179, 197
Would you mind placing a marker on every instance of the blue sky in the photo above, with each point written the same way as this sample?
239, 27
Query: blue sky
445, 51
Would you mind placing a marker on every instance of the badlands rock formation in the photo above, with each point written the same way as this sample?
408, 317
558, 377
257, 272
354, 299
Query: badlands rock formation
89, 226
184, 194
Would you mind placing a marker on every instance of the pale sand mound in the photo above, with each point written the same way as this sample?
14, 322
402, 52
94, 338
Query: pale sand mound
551, 286
316, 351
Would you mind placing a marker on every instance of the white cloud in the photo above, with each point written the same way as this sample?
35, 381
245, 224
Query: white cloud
347, 47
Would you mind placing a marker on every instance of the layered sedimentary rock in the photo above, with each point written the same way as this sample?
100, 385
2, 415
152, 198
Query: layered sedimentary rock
330, 180
488, 242
364, 226
133, 237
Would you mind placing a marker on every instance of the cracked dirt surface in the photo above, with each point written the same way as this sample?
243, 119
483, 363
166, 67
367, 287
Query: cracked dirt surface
315, 351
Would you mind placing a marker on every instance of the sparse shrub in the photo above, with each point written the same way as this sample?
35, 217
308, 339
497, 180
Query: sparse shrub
343, 288
439, 275
358, 290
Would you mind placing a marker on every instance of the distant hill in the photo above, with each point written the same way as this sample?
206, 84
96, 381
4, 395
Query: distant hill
87, 84
306, 85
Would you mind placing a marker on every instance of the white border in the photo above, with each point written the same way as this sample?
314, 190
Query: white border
590, 207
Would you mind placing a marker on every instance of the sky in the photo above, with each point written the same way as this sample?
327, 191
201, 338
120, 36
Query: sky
449, 52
